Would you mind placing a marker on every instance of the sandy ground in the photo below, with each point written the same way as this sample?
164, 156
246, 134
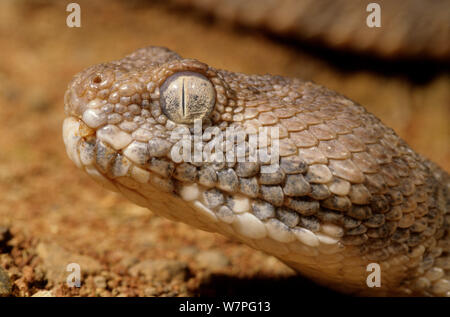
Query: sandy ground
52, 215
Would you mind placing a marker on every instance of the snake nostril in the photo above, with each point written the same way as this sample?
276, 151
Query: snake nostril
97, 79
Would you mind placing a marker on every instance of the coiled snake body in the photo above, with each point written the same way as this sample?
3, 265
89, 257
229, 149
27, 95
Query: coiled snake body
409, 28
344, 192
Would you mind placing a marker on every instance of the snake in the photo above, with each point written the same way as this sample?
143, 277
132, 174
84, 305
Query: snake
411, 29
283, 165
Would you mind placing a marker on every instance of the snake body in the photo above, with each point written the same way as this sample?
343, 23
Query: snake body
345, 191
409, 28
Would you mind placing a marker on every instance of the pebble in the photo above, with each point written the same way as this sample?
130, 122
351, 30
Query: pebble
55, 260
212, 259
160, 270
43, 293
5, 283
100, 282
150, 291
5, 235
188, 251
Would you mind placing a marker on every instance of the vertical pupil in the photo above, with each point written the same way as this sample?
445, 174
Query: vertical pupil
187, 96
183, 102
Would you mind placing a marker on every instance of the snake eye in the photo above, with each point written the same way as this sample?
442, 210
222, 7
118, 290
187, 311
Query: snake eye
187, 96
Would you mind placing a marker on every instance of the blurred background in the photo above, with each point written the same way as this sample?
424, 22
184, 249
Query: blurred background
51, 214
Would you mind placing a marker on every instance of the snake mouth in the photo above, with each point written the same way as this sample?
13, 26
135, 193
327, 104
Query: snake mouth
171, 191
113, 159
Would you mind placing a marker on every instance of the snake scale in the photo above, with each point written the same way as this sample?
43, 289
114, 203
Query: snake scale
345, 191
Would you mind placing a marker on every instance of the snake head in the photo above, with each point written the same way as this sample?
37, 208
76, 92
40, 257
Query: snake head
343, 191
126, 119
